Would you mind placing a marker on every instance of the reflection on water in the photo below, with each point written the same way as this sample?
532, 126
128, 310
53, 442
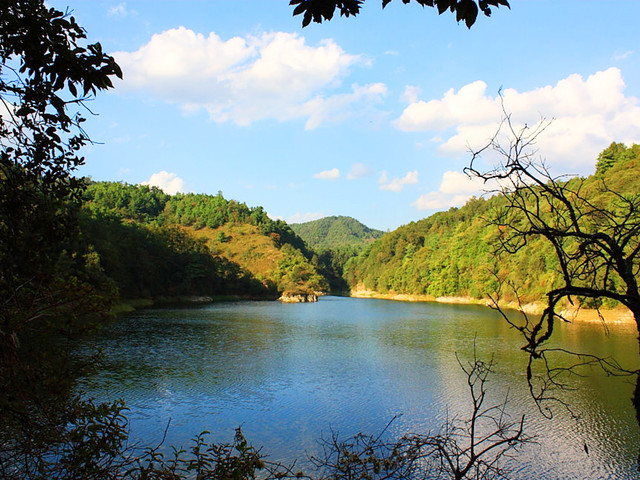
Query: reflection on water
288, 373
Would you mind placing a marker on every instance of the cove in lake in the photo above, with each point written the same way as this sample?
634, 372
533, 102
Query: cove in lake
288, 373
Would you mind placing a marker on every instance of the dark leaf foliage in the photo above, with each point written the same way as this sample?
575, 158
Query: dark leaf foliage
465, 10
47, 73
46, 76
51, 287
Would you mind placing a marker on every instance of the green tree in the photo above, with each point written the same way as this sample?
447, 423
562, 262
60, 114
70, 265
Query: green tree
46, 75
465, 10
295, 273
47, 283
614, 154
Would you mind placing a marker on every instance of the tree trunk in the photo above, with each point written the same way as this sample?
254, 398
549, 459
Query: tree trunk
636, 393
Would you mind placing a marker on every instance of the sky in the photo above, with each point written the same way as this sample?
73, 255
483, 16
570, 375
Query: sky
372, 117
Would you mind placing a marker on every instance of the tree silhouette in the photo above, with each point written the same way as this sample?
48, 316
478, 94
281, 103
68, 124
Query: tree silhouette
471, 448
595, 232
47, 75
465, 10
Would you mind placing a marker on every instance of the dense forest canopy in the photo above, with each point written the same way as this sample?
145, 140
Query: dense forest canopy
335, 240
334, 232
453, 253
156, 245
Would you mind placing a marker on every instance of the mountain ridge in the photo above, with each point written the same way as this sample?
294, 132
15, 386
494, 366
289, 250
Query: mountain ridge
335, 231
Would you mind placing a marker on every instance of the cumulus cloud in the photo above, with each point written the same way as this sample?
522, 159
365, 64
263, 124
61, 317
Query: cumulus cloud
438, 201
245, 79
169, 182
588, 114
397, 184
457, 183
305, 217
359, 170
341, 106
455, 189
332, 174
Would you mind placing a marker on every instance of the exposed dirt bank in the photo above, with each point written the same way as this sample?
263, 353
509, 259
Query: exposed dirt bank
615, 316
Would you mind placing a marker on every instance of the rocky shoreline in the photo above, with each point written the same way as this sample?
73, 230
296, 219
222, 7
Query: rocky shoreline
298, 298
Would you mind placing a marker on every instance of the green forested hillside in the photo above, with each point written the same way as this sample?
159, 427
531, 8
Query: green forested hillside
453, 253
335, 240
333, 232
151, 244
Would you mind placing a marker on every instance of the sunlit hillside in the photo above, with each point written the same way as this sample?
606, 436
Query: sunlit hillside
455, 253
156, 245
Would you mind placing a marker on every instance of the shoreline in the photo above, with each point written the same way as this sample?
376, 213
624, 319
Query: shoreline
133, 304
619, 316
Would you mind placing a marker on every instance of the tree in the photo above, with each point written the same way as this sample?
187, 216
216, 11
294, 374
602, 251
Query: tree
465, 10
46, 78
470, 448
47, 75
594, 230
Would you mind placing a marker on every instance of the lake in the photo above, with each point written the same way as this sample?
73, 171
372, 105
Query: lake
290, 373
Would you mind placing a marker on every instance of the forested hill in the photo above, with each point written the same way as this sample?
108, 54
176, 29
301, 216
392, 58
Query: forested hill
453, 253
335, 232
150, 244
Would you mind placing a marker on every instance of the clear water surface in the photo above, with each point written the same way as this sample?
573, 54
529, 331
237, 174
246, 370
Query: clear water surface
289, 373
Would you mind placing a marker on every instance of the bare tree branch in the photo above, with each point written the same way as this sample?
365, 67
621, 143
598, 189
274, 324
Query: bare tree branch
593, 230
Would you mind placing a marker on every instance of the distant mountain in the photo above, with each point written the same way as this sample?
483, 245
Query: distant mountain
335, 232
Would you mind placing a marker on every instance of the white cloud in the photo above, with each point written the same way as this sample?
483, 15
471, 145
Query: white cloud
119, 10
359, 170
410, 94
332, 174
455, 189
242, 80
588, 114
454, 183
305, 217
469, 105
622, 56
438, 201
169, 182
339, 107
397, 184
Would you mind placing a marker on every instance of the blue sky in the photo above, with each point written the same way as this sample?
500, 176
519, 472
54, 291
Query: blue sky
370, 117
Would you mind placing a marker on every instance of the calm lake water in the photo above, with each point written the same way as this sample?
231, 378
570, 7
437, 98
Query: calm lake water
289, 373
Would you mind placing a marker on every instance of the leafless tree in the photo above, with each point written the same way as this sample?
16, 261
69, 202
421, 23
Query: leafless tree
594, 231
470, 448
